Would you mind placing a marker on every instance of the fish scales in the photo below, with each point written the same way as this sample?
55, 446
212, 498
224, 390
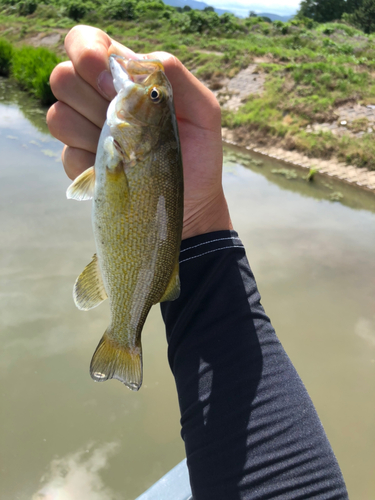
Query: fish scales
118, 222
137, 216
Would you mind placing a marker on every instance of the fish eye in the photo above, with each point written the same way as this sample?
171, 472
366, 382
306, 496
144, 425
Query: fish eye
155, 95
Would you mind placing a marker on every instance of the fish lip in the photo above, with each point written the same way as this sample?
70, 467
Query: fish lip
121, 78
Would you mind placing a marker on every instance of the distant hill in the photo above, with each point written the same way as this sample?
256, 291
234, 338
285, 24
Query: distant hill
194, 4
275, 17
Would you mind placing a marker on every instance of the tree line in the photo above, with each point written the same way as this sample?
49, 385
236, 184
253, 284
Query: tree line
360, 13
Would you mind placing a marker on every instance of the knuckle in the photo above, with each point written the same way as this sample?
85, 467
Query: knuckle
65, 159
60, 77
50, 116
70, 36
54, 118
216, 109
73, 33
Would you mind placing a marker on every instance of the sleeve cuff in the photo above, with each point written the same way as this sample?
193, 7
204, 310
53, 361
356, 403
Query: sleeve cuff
204, 244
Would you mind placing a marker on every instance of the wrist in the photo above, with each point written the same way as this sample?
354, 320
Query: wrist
212, 216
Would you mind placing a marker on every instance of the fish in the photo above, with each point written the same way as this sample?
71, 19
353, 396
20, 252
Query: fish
136, 185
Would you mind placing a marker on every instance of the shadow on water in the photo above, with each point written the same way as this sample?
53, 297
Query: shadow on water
294, 178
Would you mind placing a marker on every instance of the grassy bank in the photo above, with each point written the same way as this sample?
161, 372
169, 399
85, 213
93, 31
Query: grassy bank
30, 67
311, 69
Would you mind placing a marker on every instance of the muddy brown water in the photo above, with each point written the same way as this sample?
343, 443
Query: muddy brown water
63, 437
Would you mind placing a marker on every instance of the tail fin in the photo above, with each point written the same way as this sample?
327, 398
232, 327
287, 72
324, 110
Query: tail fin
113, 360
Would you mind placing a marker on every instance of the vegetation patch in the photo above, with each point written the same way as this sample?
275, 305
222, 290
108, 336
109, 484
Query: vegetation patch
30, 67
286, 172
336, 196
6, 54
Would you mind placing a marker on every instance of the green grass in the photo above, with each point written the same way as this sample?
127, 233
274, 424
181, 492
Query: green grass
360, 152
30, 67
6, 55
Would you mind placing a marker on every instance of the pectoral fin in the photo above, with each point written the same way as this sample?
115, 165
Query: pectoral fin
89, 291
82, 188
173, 289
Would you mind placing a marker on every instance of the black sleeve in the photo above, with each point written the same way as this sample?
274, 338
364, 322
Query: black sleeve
249, 426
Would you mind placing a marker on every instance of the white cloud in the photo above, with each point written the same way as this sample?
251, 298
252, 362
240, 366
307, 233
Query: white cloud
12, 117
365, 329
76, 476
288, 7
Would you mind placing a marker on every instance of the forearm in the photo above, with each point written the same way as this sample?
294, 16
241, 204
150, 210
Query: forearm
249, 426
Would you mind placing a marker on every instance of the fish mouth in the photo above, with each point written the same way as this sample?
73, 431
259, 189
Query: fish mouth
128, 72
121, 78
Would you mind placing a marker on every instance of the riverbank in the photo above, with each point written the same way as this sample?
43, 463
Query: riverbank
298, 91
351, 174
30, 67
250, 83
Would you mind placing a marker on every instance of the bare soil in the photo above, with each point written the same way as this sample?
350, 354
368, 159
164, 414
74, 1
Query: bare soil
349, 118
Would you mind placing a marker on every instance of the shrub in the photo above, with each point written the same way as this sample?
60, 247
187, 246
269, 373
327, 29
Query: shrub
32, 68
6, 52
8, 2
229, 23
119, 10
151, 9
49, 11
27, 7
364, 17
76, 10
196, 21
22, 8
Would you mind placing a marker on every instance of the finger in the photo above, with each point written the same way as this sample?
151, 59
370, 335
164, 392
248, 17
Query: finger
67, 125
87, 48
70, 88
76, 160
193, 100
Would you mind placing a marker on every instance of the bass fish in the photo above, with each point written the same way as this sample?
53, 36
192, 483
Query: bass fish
137, 189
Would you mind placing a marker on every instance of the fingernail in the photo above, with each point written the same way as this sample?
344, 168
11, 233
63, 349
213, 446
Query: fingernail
105, 84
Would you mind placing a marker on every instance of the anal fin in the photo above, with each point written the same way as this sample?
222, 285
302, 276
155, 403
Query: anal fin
82, 188
172, 291
89, 291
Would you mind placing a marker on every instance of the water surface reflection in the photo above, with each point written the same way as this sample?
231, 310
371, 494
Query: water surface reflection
77, 476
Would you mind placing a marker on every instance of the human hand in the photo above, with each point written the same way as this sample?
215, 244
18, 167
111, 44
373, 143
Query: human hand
83, 87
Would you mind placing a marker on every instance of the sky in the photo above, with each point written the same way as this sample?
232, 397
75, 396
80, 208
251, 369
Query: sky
243, 7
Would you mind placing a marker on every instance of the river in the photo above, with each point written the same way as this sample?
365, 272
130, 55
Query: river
64, 437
